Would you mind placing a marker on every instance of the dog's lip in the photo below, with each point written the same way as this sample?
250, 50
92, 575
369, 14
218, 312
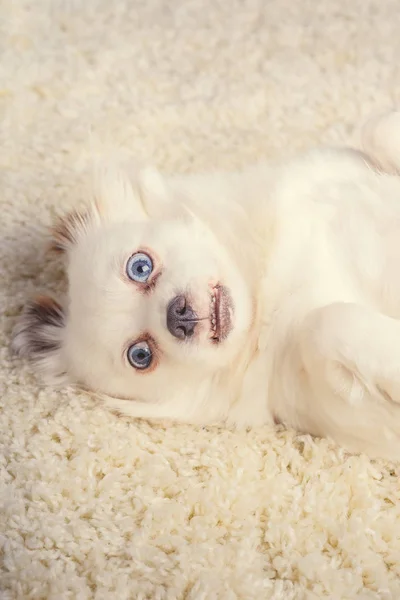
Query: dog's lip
221, 313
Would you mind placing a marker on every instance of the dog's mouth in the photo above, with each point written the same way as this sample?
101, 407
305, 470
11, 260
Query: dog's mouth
221, 313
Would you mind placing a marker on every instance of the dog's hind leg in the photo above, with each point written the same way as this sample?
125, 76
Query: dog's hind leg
351, 357
381, 141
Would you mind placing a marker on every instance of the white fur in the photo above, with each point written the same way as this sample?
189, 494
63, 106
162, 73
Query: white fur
310, 250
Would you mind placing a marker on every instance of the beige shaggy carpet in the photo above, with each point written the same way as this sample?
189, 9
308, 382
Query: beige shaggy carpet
92, 506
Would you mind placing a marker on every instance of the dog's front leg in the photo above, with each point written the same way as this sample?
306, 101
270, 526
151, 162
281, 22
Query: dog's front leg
351, 359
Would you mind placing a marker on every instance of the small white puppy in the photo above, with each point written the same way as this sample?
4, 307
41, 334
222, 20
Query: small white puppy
271, 295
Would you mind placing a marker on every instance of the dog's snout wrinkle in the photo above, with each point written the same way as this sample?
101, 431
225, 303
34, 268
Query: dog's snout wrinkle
181, 318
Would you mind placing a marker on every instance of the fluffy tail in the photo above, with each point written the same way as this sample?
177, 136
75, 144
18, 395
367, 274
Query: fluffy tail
381, 140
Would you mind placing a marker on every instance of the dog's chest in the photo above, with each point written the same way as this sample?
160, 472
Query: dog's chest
341, 244
338, 240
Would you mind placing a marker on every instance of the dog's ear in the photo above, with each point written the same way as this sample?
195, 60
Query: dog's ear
38, 336
155, 195
121, 192
125, 191
69, 228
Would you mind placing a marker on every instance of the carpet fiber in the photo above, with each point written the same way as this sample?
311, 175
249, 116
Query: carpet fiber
93, 506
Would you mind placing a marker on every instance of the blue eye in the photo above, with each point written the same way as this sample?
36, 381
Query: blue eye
139, 267
140, 355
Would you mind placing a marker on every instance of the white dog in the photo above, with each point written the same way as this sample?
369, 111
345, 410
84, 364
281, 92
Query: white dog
271, 295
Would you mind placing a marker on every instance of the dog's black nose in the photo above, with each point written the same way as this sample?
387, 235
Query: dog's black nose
181, 318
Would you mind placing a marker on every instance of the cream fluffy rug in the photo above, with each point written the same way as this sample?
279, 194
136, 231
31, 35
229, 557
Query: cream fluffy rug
97, 507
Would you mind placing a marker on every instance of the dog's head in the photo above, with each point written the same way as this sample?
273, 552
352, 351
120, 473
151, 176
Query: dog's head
157, 305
